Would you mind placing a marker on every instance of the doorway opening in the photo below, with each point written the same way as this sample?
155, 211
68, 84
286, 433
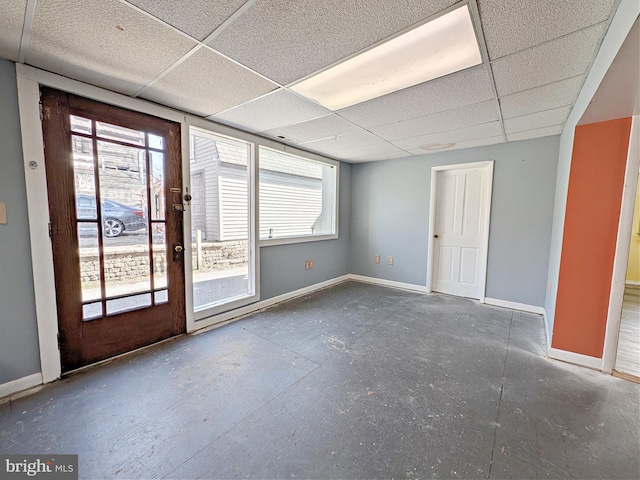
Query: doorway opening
627, 363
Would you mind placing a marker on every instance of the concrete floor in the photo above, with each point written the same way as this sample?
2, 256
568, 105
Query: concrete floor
355, 381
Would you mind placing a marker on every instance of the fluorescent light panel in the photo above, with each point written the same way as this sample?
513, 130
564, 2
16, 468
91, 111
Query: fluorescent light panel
442, 46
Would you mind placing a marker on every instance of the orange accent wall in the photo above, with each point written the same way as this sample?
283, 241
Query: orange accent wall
594, 196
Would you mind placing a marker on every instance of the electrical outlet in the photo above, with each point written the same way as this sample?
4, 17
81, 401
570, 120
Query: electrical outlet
308, 264
390, 261
376, 259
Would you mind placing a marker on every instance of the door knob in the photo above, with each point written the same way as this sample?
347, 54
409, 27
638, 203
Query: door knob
177, 252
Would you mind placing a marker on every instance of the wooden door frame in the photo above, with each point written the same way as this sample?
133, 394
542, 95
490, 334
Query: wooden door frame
487, 166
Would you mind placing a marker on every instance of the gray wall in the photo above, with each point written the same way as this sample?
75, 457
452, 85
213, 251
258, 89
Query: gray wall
282, 266
390, 216
19, 355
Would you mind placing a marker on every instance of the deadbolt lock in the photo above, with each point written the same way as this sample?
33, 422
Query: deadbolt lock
177, 207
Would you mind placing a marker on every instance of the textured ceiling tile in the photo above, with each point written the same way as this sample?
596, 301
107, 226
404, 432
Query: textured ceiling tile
555, 94
480, 142
287, 40
559, 59
206, 83
518, 24
335, 145
317, 129
458, 89
539, 132
474, 132
11, 22
197, 18
377, 149
376, 158
102, 42
271, 111
439, 122
546, 118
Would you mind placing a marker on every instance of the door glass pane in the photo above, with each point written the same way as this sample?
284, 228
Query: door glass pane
157, 185
161, 297
81, 125
220, 202
89, 253
159, 256
156, 141
91, 311
120, 134
84, 178
128, 303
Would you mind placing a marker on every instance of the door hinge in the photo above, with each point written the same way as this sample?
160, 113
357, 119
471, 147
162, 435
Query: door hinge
50, 230
59, 341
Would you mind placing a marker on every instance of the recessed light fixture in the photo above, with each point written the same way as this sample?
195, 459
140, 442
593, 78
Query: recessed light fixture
439, 47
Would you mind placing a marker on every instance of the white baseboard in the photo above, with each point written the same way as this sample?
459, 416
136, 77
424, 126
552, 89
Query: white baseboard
631, 282
576, 358
523, 307
227, 317
20, 384
388, 283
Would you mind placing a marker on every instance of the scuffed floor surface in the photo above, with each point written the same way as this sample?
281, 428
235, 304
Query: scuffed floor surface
355, 381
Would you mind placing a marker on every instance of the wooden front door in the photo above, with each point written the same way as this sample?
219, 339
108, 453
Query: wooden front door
114, 180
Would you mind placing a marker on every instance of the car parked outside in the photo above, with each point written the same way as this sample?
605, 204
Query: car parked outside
116, 217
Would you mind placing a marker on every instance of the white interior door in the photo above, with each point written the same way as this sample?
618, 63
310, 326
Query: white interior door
460, 230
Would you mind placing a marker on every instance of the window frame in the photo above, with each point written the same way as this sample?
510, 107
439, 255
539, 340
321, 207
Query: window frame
336, 201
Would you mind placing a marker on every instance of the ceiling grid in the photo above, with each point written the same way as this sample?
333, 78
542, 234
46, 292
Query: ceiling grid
235, 62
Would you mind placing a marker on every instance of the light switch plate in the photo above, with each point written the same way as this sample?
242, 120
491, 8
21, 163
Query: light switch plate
3, 213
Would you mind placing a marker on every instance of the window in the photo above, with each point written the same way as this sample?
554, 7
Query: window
222, 226
298, 197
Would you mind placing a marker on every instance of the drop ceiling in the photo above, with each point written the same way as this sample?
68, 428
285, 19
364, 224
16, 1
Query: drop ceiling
234, 62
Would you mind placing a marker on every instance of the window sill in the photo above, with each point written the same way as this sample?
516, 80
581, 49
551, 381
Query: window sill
291, 240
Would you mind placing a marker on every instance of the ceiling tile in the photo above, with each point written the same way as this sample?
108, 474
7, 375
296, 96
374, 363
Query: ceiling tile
206, 83
518, 24
11, 22
336, 145
559, 59
376, 158
458, 89
439, 122
273, 110
479, 142
102, 42
555, 116
377, 149
287, 40
317, 129
538, 132
474, 132
197, 18
549, 96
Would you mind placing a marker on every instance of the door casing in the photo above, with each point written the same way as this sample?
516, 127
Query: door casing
487, 166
